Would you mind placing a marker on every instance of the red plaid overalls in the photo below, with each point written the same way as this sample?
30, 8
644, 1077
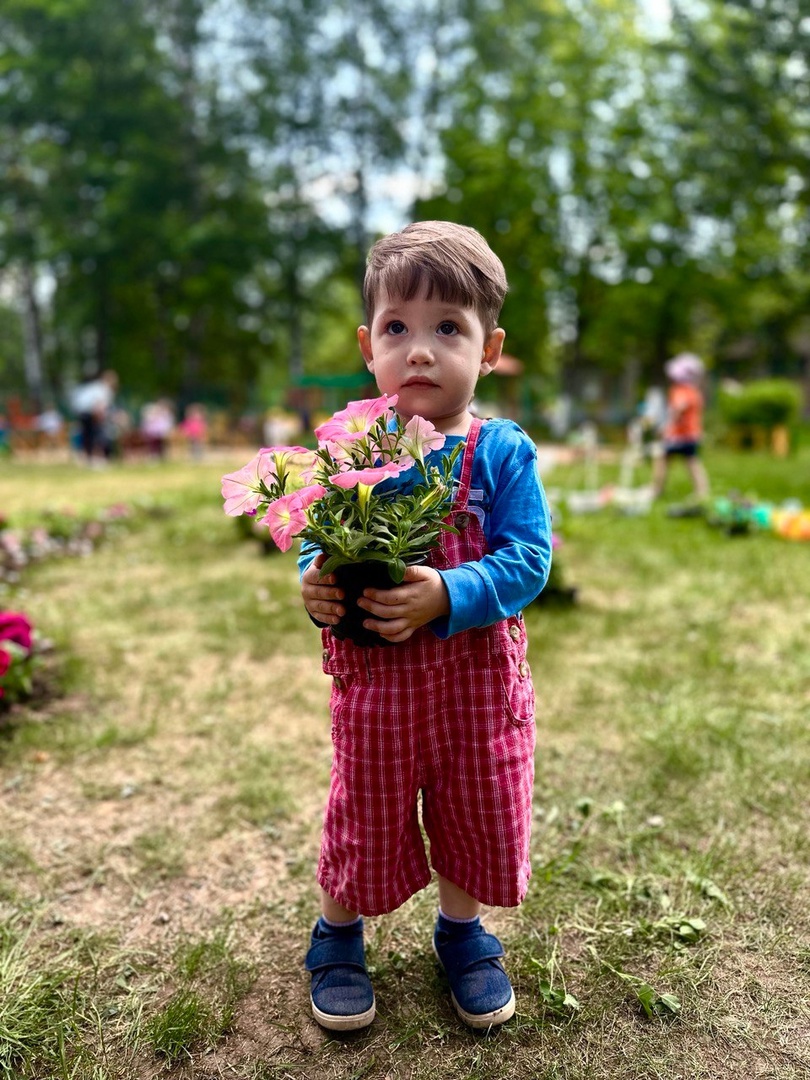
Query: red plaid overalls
453, 718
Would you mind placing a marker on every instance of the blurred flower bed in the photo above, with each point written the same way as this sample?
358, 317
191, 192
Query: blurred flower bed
18, 655
64, 532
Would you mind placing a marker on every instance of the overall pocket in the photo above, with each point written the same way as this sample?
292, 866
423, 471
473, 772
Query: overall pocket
514, 673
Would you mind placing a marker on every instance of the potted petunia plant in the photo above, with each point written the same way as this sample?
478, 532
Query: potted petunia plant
336, 500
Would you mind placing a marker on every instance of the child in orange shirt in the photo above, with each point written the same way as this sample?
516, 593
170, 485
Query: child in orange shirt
683, 431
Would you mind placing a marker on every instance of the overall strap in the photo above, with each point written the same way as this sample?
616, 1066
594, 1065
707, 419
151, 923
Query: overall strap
463, 493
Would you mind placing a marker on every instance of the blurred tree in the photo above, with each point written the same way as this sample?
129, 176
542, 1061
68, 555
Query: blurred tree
593, 154
120, 187
744, 121
12, 347
188, 187
545, 155
331, 91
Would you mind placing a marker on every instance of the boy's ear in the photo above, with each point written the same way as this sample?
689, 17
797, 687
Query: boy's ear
364, 339
493, 347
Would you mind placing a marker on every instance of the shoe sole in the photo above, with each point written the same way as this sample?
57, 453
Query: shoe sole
332, 1022
479, 1021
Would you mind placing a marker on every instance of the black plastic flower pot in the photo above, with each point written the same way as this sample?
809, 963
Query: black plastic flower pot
353, 578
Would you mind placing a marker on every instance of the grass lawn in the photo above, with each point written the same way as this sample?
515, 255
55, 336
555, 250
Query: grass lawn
161, 814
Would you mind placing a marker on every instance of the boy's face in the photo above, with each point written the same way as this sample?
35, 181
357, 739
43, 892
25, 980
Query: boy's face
431, 354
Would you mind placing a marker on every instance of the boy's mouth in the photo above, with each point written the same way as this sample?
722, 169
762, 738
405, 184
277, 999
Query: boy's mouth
419, 380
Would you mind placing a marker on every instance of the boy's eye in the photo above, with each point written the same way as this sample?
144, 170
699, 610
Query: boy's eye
395, 327
447, 328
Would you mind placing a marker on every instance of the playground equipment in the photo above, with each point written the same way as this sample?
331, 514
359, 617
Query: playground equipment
625, 496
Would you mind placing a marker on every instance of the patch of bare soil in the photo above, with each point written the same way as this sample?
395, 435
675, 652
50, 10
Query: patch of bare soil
84, 852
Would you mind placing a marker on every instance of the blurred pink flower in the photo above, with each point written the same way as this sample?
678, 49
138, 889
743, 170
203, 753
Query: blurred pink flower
117, 510
241, 490
14, 626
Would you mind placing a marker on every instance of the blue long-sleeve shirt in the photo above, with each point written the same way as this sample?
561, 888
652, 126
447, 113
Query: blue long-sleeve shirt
507, 497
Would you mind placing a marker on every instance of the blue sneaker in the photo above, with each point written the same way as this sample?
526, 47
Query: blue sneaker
479, 986
342, 996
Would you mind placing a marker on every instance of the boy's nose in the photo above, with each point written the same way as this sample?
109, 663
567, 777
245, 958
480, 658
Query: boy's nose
421, 352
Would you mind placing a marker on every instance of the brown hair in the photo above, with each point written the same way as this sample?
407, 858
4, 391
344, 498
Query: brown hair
451, 261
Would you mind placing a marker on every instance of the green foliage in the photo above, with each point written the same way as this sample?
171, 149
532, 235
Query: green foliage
146, 221
206, 231
201, 1009
37, 1009
668, 832
11, 349
16, 680
766, 402
183, 1021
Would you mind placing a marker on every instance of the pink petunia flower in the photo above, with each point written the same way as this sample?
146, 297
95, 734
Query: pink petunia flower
285, 518
281, 456
343, 449
356, 420
367, 477
310, 494
420, 437
241, 490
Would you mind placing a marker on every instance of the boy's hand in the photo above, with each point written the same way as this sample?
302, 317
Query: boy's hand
320, 595
420, 599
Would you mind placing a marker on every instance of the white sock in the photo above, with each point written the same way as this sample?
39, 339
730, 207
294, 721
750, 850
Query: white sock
341, 925
451, 918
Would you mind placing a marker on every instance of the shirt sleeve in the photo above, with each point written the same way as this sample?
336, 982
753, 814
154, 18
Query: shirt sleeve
518, 532
307, 555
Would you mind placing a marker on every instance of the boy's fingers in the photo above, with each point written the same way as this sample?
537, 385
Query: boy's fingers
390, 629
380, 600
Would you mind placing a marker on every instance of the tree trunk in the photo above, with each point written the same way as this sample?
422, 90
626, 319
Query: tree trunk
102, 318
33, 358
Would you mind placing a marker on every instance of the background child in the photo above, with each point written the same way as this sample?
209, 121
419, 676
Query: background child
683, 430
449, 711
194, 427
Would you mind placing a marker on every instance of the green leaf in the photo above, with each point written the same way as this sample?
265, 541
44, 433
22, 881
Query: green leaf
397, 570
646, 996
653, 1003
333, 562
370, 555
668, 1003
708, 889
685, 929
557, 1001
